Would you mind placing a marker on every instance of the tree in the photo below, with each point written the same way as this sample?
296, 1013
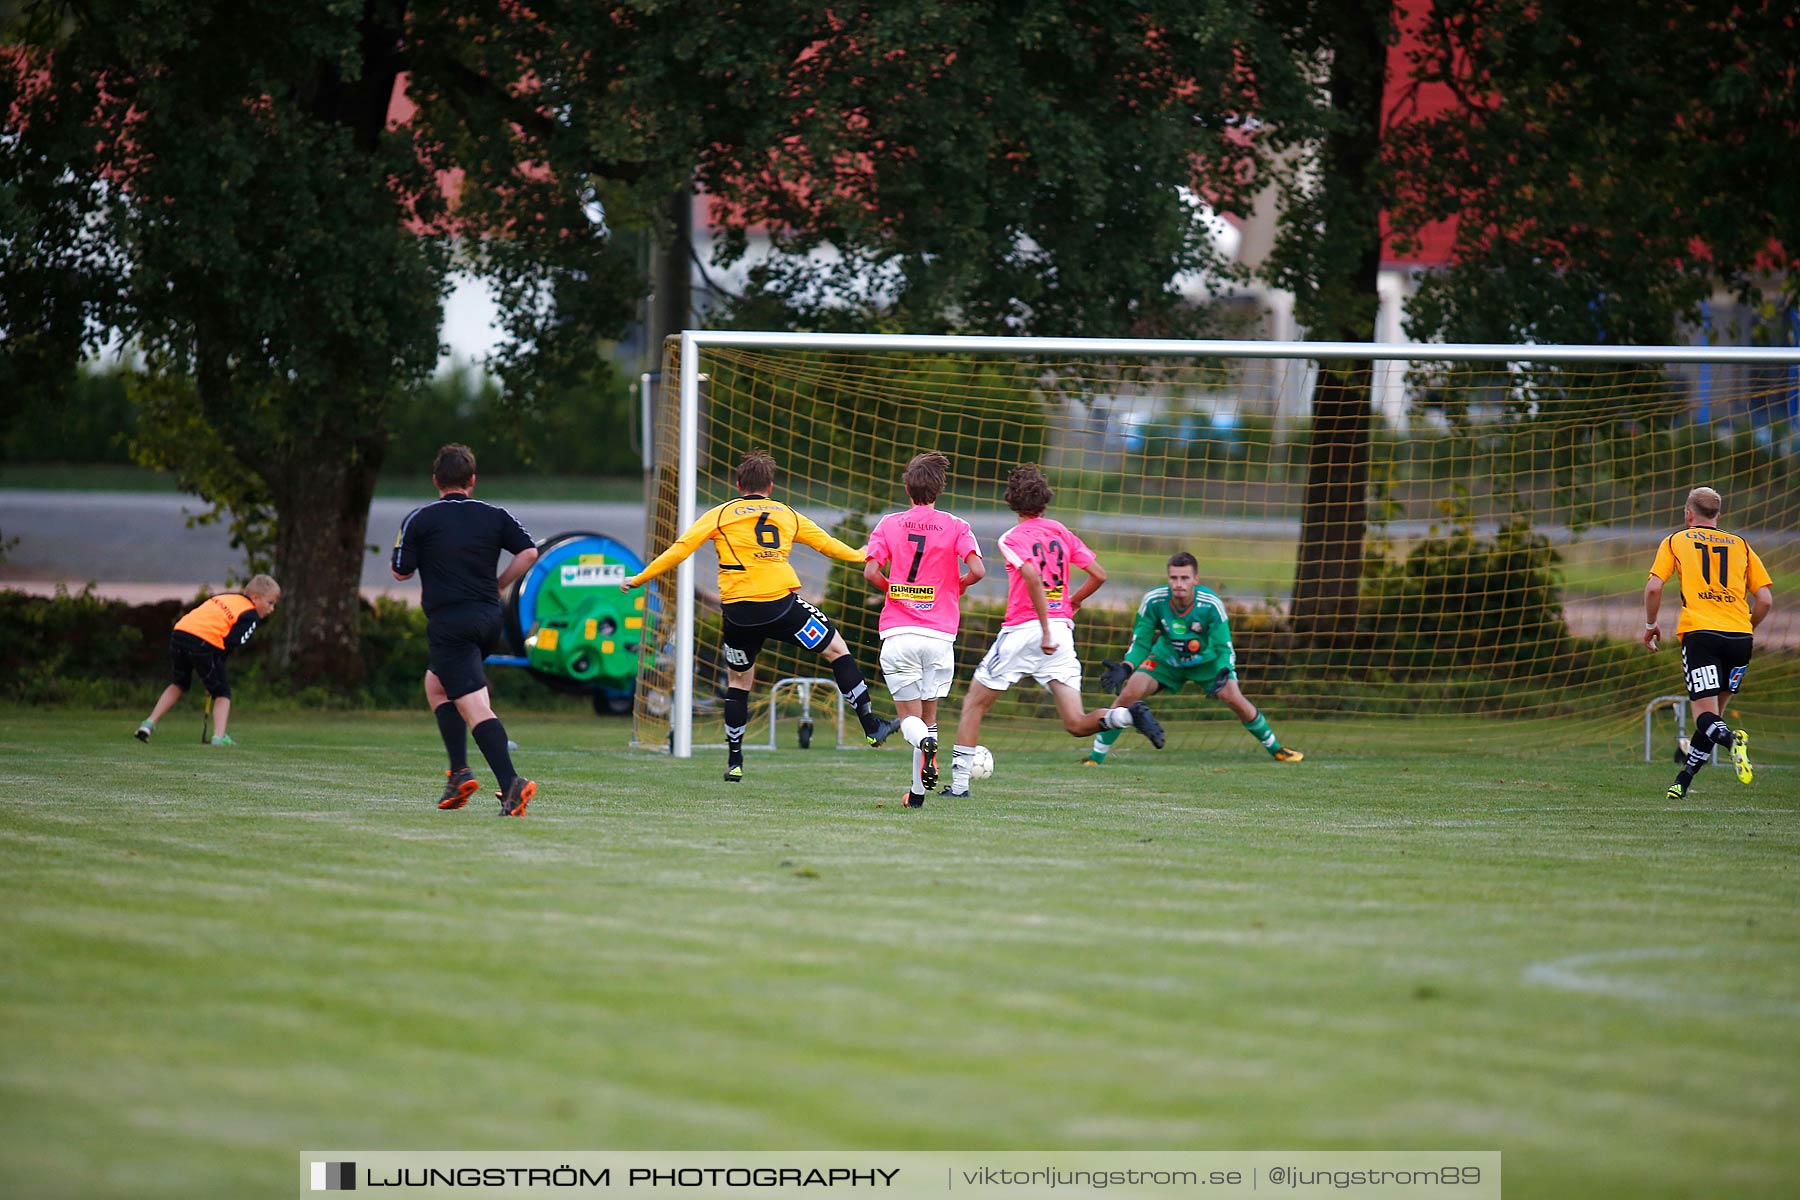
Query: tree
1020, 168
1607, 166
1328, 253
224, 186
227, 186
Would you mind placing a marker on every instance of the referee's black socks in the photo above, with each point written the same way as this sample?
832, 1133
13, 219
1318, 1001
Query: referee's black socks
850, 681
490, 735
455, 733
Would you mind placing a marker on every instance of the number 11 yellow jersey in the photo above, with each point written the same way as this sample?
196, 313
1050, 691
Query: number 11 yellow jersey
1719, 574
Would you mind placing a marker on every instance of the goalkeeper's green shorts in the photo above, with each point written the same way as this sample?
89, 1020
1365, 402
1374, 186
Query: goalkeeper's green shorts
1211, 674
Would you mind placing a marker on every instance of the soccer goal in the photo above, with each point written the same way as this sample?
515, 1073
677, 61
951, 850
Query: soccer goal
1453, 535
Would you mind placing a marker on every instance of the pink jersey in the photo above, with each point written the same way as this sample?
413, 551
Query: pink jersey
1049, 546
922, 551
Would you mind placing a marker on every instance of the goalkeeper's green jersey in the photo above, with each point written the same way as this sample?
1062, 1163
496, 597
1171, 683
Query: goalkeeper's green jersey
1179, 639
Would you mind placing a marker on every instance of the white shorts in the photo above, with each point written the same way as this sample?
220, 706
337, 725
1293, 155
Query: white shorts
1016, 653
917, 667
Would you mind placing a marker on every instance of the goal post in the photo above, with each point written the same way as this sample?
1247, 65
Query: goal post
1514, 493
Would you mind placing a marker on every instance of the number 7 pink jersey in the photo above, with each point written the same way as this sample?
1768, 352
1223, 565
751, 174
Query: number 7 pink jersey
922, 550
1054, 551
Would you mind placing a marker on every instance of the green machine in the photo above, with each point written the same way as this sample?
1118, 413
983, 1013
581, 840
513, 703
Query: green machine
568, 623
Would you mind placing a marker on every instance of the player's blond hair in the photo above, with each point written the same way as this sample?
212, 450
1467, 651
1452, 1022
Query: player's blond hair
263, 586
1706, 503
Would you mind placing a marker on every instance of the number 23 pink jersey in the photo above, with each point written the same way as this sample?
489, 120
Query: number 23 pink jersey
1054, 551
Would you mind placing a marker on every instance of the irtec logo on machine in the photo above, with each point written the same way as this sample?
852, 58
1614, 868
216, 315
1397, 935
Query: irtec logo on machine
585, 574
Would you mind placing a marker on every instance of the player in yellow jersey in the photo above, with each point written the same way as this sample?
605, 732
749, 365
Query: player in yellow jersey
758, 589
1725, 595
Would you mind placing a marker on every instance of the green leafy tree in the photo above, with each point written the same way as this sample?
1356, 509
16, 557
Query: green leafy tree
1607, 166
1020, 167
225, 186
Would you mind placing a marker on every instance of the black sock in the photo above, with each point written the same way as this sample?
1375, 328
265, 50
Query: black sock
1713, 728
1710, 730
850, 681
455, 734
1698, 755
737, 717
490, 735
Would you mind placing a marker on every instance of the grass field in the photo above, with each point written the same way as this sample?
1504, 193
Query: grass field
213, 959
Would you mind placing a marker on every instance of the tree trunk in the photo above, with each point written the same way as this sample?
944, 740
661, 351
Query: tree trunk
672, 305
322, 514
1343, 306
1328, 576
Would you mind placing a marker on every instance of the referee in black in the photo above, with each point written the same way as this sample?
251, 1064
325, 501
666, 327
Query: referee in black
454, 543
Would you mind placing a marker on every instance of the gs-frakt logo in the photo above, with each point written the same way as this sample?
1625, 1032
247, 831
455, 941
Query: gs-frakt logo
334, 1177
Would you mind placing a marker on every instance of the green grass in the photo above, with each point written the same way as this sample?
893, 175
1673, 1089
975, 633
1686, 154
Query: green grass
93, 477
213, 960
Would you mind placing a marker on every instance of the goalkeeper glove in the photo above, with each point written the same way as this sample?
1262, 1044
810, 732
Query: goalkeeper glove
1112, 679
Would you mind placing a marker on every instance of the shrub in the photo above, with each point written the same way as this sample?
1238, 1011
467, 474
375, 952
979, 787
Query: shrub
79, 649
1462, 600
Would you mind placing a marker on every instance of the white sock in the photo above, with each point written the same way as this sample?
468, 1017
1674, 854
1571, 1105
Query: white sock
1118, 718
960, 759
914, 730
918, 780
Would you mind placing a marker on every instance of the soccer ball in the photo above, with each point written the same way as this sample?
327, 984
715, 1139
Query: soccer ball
981, 766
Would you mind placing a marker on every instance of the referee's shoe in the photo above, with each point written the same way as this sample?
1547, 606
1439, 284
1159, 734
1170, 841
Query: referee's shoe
517, 795
458, 787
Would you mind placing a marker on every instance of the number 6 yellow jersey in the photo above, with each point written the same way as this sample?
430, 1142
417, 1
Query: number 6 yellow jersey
753, 536
1719, 574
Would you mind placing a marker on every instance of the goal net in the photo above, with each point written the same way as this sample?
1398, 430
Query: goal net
1458, 536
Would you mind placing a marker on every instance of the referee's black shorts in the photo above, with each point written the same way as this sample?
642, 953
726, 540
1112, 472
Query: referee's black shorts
458, 637
190, 656
748, 623
1714, 663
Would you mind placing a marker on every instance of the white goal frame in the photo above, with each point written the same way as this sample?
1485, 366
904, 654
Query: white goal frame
694, 341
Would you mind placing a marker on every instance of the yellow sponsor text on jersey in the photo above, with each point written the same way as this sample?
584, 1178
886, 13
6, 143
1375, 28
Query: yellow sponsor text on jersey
912, 593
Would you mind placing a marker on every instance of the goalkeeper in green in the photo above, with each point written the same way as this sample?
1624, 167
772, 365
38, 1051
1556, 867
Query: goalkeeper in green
1182, 635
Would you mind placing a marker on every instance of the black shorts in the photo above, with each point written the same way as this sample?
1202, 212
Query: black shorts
190, 656
459, 636
749, 622
1714, 663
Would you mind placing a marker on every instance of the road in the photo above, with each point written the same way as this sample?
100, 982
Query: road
133, 542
